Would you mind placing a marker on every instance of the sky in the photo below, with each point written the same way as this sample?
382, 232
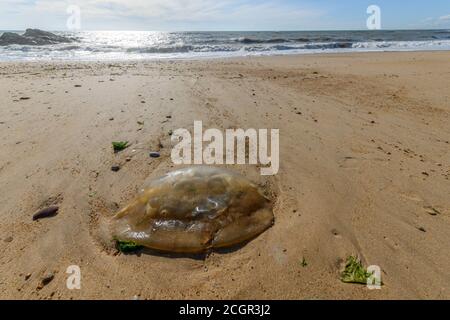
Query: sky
230, 15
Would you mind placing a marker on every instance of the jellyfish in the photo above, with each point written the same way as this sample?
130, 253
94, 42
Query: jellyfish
194, 209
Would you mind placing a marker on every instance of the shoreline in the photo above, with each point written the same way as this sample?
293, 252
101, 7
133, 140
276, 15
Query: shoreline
364, 170
213, 58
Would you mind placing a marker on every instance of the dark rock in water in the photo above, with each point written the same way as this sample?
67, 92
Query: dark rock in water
32, 37
46, 213
12, 38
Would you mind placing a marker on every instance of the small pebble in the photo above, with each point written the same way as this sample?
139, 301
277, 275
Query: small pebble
422, 229
115, 168
154, 155
432, 211
46, 280
46, 213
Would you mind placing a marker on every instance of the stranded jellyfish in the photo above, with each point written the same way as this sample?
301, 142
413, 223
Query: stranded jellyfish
194, 209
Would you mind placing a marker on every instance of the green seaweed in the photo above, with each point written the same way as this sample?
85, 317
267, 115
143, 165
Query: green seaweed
354, 271
304, 263
127, 246
119, 145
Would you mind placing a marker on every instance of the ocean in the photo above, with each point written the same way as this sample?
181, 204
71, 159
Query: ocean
133, 45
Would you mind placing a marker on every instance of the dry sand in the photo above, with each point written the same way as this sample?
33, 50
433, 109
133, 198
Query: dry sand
364, 157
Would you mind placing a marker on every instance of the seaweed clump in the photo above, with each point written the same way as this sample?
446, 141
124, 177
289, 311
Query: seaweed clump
354, 271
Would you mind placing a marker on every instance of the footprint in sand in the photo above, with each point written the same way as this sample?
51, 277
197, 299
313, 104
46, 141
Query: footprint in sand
349, 163
413, 197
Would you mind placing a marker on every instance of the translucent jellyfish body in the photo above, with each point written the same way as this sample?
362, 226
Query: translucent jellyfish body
194, 209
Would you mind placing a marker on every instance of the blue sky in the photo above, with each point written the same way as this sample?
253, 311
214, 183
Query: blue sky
223, 14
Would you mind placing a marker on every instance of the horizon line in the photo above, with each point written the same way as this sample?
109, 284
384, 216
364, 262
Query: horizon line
244, 30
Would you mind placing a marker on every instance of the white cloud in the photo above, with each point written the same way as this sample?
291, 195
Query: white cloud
439, 22
166, 13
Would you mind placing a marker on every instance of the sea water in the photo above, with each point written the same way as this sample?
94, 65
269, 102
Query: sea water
132, 45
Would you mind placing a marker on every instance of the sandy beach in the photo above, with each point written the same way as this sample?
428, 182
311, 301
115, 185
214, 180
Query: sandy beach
364, 170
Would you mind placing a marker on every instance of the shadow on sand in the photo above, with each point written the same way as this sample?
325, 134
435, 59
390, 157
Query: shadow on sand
194, 256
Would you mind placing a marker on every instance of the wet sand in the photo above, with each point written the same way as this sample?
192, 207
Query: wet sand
364, 170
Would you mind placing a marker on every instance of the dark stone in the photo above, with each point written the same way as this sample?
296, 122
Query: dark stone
115, 168
46, 213
154, 155
46, 279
